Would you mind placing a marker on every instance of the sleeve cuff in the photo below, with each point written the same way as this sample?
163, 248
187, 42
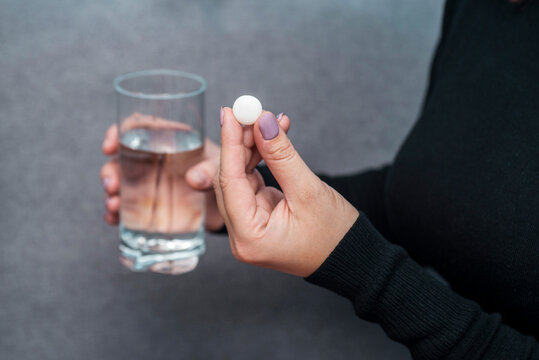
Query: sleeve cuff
352, 265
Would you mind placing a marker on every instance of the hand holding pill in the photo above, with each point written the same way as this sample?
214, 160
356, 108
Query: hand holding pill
291, 230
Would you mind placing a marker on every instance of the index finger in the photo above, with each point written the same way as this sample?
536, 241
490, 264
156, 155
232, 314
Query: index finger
110, 143
238, 195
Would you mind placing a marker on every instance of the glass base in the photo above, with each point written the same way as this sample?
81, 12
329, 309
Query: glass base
163, 253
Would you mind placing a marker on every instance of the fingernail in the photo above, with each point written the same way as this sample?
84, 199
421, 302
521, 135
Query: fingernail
268, 126
106, 182
221, 117
107, 202
279, 117
199, 177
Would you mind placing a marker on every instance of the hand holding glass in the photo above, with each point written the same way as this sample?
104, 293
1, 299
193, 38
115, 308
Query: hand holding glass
161, 135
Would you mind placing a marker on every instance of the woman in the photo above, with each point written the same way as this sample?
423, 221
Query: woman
462, 196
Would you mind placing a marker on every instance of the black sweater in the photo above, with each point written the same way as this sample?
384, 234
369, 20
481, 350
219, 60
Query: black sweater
462, 196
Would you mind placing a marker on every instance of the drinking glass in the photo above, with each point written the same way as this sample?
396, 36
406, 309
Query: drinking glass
161, 135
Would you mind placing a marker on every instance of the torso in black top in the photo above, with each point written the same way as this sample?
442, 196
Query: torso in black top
463, 192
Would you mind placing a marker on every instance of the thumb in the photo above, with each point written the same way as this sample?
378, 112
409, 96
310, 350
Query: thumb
297, 181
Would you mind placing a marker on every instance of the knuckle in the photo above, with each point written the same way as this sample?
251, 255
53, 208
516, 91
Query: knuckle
245, 250
240, 255
244, 254
225, 180
283, 151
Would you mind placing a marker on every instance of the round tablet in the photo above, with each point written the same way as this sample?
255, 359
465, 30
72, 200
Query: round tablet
247, 109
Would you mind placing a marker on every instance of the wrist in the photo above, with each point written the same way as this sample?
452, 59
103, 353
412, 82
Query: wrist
342, 222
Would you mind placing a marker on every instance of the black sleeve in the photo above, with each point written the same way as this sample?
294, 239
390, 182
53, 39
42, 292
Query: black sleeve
386, 286
364, 190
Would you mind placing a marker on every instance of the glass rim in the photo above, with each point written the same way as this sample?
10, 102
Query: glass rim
165, 96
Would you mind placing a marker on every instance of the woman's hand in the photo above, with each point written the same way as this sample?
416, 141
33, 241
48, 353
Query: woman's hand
199, 177
293, 231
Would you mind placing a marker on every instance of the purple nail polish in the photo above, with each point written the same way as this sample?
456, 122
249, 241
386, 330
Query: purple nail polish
279, 117
221, 117
268, 126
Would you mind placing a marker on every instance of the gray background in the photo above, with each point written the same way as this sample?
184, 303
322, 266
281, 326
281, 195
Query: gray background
350, 74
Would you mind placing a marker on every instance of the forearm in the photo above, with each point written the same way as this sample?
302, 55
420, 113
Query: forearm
386, 286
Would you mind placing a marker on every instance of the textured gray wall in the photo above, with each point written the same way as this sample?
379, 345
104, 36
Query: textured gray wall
350, 74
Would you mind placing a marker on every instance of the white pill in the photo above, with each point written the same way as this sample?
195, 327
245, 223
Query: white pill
247, 109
